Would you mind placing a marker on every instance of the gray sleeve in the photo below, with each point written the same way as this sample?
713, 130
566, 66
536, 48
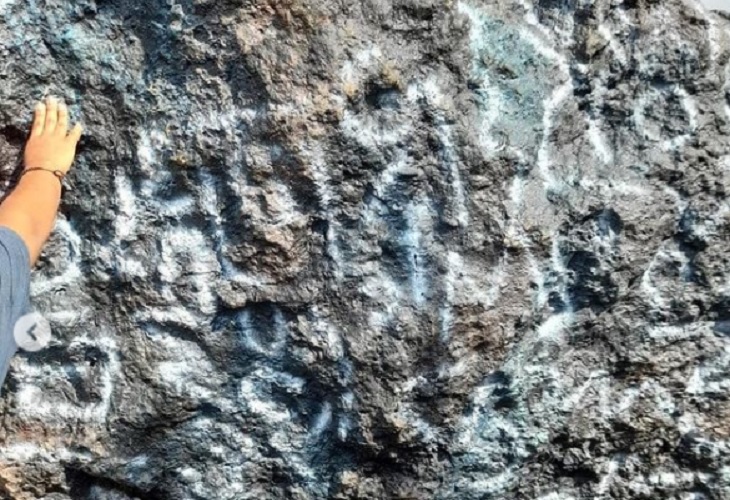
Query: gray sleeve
14, 292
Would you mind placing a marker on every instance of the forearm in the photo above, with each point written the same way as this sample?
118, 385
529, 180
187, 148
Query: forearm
31, 208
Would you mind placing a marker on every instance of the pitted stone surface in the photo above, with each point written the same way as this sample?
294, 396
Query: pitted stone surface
379, 249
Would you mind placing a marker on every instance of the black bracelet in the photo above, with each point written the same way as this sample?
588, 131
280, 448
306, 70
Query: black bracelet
59, 175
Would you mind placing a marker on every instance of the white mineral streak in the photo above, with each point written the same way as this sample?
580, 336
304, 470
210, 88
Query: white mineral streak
690, 108
616, 47
726, 92
418, 226
598, 141
328, 199
35, 403
126, 220
6, 5
451, 162
71, 275
552, 106
713, 32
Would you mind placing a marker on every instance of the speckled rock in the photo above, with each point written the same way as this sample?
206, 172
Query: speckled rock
388, 249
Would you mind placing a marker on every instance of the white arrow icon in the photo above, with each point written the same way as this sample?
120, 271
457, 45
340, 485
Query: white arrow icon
32, 332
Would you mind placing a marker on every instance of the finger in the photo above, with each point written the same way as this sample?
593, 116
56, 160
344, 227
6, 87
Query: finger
75, 133
51, 115
39, 119
62, 126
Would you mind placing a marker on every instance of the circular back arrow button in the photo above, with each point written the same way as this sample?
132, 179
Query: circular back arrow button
32, 332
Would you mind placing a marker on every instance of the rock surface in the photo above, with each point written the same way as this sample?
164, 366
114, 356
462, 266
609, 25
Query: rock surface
379, 249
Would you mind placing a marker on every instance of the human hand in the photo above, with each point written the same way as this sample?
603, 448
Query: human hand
51, 146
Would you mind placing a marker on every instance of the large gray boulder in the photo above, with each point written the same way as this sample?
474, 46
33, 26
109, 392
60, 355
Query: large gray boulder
379, 249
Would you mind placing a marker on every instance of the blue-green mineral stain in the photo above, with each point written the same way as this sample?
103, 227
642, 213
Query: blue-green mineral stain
511, 80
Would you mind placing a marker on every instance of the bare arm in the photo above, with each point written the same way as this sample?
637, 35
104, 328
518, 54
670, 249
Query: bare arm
30, 210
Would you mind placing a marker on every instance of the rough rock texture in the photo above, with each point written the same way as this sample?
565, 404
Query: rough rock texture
377, 249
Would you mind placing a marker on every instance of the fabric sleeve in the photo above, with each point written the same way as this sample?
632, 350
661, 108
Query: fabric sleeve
14, 293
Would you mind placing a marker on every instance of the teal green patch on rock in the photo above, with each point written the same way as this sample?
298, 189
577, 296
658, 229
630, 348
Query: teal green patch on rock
511, 79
